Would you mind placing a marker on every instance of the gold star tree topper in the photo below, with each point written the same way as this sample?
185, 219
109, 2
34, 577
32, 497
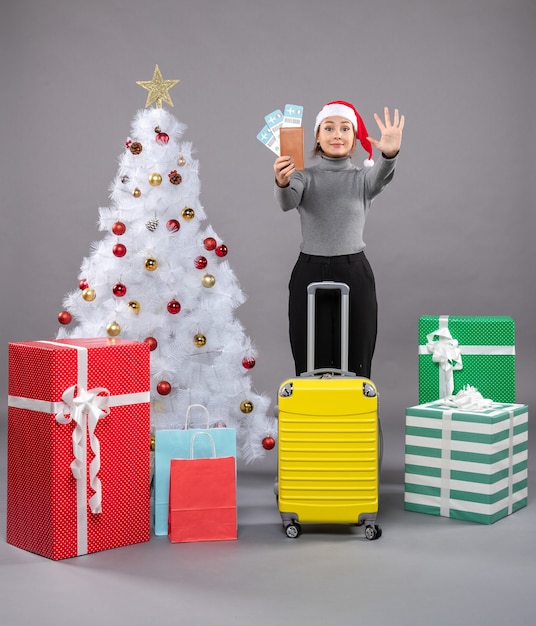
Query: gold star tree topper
158, 89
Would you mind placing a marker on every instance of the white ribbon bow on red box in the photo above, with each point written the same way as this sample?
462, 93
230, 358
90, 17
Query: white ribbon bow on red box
85, 408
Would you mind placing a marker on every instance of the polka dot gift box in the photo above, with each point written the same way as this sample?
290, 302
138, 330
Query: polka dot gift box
455, 351
78, 464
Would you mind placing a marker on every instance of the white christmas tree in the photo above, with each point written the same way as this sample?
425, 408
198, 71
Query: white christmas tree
158, 275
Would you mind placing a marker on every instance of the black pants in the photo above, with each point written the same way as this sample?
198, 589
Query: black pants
355, 271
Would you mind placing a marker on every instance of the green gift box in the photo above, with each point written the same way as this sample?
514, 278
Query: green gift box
455, 351
467, 465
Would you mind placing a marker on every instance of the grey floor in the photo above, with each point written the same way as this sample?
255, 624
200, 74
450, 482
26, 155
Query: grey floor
424, 571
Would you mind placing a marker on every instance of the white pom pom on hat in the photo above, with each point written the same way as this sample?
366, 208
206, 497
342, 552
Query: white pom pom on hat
347, 110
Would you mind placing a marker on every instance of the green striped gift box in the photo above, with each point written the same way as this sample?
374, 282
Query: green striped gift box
468, 465
487, 348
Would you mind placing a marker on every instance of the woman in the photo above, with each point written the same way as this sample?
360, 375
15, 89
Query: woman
333, 199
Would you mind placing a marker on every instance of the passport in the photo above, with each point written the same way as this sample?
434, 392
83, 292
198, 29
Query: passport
291, 144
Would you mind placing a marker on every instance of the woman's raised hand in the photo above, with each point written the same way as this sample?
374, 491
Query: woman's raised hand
391, 139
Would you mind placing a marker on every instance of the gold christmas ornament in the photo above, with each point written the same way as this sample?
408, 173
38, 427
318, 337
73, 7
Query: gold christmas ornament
113, 329
89, 295
200, 340
182, 161
188, 213
155, 179
208, 281
134, 306
158, 89
136, 193
246, 406
152, 443
151, 264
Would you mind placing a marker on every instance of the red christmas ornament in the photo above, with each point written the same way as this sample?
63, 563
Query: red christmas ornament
162, 138
119, 250
173, 307
248, 362
64, 317
118, 228
210, 243
119, 290
200, 262
83, 284
268, 443
153, 344
173, 225
221, 251
163, 388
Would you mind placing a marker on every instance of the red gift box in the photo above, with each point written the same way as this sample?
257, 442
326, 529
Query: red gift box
78, 463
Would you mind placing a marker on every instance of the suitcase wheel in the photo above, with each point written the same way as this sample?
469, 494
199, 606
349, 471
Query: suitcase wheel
293, 530
373, 532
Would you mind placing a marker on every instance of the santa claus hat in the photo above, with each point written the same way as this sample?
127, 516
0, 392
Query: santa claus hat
347, 110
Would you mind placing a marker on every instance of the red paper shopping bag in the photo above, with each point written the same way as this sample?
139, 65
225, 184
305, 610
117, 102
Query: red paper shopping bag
202, 497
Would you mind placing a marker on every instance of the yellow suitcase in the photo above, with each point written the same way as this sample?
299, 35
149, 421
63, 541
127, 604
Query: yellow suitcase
329, 441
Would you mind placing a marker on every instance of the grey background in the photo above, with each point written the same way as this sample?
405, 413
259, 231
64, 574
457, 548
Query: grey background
453, 234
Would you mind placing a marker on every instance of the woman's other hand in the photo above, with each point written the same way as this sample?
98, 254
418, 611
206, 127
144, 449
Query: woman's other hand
283, 169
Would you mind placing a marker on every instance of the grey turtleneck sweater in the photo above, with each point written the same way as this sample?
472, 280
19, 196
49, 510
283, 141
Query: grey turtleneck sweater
333, 199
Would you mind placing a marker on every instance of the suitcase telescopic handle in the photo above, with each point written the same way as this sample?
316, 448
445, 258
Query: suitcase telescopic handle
345, 320
327, 371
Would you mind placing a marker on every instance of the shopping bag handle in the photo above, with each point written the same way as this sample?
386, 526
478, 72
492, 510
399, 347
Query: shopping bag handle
202, 406
199, 434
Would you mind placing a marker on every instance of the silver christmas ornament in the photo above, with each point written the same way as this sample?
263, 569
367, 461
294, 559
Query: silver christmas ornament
152, 224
